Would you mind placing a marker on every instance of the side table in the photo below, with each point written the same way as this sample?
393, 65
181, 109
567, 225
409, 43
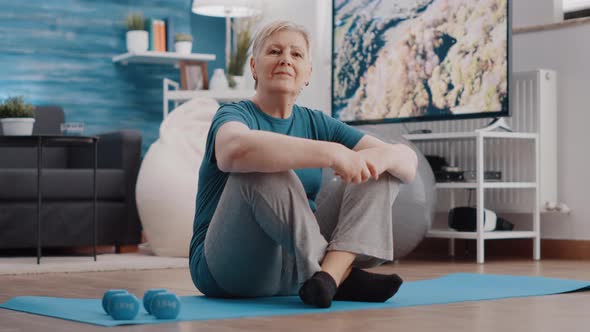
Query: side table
41, 141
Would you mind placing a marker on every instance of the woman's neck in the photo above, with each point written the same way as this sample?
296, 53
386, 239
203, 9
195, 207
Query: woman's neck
277, 105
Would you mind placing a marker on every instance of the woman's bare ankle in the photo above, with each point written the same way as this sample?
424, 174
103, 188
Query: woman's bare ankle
338, 264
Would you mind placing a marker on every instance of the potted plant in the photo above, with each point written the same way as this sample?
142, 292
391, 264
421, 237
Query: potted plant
137, 37
183, 43
17, 117
243, 36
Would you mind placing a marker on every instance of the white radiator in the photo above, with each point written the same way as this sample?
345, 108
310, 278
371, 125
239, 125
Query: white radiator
533, 109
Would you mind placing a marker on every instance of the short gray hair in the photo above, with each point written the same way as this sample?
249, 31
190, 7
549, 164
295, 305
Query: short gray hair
276, 26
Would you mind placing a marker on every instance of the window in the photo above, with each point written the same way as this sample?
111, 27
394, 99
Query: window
576, 9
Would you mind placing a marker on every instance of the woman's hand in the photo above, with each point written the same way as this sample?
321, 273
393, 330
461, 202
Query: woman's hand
378, 160
397, 159
349, 165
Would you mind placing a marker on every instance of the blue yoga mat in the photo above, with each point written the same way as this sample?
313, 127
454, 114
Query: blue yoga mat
459, 287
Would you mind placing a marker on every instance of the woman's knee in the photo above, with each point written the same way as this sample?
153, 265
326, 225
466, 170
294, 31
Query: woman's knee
389, 179
386, 186
264, 180
385, 180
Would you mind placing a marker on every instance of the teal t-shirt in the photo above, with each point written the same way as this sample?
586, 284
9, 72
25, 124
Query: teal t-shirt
303, 122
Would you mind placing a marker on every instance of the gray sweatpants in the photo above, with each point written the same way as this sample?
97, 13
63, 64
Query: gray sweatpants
264, 239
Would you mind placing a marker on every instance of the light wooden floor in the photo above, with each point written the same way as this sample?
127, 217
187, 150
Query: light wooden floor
567, 312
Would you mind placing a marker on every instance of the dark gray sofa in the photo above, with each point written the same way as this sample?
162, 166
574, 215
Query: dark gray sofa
66, 215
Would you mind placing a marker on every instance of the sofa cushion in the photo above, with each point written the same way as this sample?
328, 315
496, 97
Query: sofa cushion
26, 157
61, 184
64, 224
48, 120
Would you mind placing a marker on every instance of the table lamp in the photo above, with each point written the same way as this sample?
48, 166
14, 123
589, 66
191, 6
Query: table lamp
227, 9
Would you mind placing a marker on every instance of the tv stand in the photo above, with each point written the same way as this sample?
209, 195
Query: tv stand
497, 123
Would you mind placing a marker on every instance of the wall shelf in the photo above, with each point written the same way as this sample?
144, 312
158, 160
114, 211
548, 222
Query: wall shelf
486, 185
172, 93
453, 234
219, 95
468, 135
166, 58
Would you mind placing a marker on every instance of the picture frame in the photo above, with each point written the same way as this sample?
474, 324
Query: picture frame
193, 75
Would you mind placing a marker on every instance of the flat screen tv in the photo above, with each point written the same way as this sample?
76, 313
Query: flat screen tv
420, 60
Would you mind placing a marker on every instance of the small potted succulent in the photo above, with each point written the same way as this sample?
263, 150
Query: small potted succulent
137, 37
17, 117
183, 43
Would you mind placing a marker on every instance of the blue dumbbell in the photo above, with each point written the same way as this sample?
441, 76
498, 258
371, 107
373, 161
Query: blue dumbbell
148, 295
123, 306
165, 305
107, 296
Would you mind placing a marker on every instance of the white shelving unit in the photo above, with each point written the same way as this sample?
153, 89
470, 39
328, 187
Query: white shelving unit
165, 58
480, 185
172, 93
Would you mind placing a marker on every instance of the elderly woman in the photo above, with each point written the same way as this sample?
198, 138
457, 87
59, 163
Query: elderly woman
257, 229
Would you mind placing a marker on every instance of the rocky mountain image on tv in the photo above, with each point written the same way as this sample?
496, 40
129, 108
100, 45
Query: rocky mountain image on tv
416, 58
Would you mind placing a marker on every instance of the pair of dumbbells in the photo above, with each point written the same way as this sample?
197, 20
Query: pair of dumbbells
122, 305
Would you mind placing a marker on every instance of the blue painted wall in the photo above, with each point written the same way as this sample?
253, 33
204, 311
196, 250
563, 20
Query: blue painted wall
59, 52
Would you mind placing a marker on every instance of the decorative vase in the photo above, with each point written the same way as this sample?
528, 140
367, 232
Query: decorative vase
240, 83
218, 80
17, 126
183, 47
137, 41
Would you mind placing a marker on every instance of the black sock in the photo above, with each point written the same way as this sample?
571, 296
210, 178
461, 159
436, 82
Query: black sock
318, 290
365, 286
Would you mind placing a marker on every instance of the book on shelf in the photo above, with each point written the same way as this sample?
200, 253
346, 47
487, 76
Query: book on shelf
161, 45
149, 26
169, 24
158, 41
157, 34
161, 34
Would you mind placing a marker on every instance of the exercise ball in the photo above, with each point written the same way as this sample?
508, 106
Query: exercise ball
167, 181
413, 209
